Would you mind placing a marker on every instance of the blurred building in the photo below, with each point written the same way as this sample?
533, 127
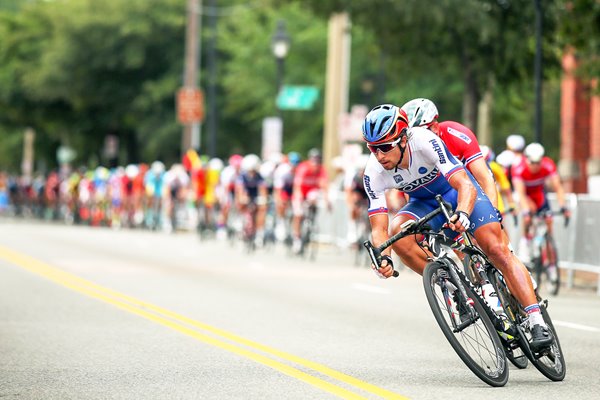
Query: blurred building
579, 164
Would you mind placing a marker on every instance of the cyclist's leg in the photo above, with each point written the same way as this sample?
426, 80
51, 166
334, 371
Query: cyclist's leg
516, 274
527, 233
408, 249
297, 216
487, 230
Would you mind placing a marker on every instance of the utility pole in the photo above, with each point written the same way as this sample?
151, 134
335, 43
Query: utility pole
212, 118
191, 131
336, 85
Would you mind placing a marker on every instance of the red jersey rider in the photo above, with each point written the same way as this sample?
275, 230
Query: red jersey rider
529, 180
310, 181
459, 139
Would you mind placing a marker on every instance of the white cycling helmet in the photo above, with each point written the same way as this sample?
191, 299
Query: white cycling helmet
267, 169
515, 143
487, 153
157, 167
215, 164
506, 158
275, 157
132, 171
420, 112
251, 162
534, 152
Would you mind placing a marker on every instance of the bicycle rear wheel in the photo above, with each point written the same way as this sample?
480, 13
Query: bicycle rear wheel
550, 362
549, 265
477, 343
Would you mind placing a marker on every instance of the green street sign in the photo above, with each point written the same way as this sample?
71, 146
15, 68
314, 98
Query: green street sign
297, 97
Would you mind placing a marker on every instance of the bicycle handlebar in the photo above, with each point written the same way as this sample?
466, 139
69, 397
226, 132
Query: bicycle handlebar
553, 213
411, 227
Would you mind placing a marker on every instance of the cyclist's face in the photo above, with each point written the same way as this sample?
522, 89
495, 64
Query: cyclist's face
315, 162
433, 127
534, 166
390, 159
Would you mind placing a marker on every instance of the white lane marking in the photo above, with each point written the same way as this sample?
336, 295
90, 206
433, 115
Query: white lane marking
576, 326
371, 289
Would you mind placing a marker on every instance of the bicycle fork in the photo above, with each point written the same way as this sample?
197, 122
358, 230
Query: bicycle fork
449, 274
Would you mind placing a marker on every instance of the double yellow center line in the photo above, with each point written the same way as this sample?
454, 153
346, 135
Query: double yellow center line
198, 330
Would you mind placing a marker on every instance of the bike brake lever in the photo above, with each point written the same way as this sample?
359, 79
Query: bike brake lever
375, 255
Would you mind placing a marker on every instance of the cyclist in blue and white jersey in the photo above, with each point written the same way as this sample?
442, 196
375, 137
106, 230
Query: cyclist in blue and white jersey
417, 162
252, 189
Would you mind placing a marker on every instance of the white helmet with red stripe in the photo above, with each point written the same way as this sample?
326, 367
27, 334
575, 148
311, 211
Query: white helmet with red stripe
420, 112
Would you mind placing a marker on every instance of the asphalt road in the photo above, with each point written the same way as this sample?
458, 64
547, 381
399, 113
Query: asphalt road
93, 313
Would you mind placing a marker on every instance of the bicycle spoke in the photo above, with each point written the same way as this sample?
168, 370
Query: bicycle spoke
474, 338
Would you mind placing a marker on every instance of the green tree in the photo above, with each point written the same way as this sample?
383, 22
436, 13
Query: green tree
483, 43
79, 70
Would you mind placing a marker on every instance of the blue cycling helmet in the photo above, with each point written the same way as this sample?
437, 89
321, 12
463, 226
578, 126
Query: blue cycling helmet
294, 158
384, 123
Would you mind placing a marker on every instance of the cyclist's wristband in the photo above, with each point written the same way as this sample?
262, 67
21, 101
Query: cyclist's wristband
563, 210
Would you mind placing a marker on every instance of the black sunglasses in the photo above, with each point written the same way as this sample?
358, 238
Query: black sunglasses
384, 147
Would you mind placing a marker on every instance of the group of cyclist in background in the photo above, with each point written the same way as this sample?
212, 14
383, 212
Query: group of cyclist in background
213, 195
199, 193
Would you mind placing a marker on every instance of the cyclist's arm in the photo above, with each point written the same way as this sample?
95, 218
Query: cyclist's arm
466, 191
519, 186
504, 184
485, 178
240, 195
324, 184
379, 231
298, 180
558, 188
262, 194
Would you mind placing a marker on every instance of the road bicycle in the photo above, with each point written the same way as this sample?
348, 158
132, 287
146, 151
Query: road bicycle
544, 260
483, 338
308, 231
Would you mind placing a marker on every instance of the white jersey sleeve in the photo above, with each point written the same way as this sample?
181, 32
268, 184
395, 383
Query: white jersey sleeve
375, 187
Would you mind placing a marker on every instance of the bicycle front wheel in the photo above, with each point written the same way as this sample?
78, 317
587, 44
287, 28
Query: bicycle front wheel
475, 342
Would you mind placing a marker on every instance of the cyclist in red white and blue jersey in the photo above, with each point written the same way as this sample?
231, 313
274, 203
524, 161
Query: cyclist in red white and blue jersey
417, 162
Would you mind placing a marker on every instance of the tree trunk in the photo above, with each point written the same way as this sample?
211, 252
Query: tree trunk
484, 122
471, 93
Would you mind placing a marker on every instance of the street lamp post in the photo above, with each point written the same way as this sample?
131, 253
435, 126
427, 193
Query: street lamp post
280, 45
538, 71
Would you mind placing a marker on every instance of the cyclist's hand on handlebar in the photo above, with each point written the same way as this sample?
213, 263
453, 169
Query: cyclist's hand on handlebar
386, 269
459, 221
